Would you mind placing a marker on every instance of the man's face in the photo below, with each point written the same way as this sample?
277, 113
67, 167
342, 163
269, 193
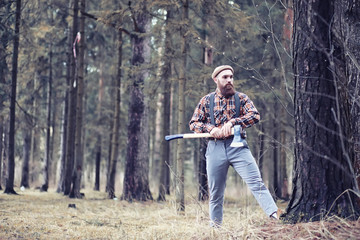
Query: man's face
225, 83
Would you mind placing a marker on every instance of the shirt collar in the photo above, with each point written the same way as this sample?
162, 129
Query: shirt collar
218, 93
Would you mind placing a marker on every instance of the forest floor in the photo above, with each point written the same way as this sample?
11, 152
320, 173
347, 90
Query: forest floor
35, 215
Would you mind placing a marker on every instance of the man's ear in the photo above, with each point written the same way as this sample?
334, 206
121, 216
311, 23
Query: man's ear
215, 80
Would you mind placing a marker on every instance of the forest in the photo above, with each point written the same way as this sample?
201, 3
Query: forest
89, 90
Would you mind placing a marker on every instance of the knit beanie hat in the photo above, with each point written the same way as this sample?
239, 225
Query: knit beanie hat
221, 68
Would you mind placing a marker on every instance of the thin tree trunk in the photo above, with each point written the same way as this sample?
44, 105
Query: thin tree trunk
156, 138
35, 131
4, 43
65, 113
286, 41
71, 126
47, 159
261, 148
1, 146
165, 76
99, 134
203, 193
284, 194
9, 187
275, 144
26, 159
116, 125
78, 167
55, 137
4, 152
61, 183
181, 151
3, 72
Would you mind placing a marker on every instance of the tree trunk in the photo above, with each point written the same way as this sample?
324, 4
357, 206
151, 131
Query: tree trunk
165, 76
55, 136
61, 183
322, 169
1, 146
26, 159
156, 136
261, 148
9, 187
116, 125
286, 41
203, 193
349, 33
97, 167
136, 183
78, 167
70, 138
181, 151
4, 152
35, 158
275, 144
47, 159
65, 112
284, 194
99, 131
3, 72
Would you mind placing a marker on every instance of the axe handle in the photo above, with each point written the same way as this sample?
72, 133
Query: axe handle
191, 135
187, 135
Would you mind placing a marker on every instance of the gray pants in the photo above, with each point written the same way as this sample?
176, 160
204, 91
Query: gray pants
219, 156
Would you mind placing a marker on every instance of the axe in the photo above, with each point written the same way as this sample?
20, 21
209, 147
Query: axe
238, 141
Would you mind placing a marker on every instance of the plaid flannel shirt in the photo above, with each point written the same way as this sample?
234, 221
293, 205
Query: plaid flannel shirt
224, 111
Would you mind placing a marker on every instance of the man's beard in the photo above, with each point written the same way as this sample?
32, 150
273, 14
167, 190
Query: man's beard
227, 90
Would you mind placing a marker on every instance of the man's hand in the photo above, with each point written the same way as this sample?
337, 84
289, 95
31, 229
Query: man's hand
216, 133
226, 129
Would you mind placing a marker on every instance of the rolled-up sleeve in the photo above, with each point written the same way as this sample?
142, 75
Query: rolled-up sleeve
199, 122
249, 115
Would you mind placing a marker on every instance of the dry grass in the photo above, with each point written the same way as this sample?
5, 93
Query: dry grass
35, 215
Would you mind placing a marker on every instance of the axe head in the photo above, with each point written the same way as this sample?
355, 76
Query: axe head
237, 141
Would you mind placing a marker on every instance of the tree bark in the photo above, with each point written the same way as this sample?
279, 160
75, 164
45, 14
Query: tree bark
1, 146
348, 33
283, 183
181, 151
99, 131
116, 125
3, 72
71, 127
66, 111
203, 193
61, 183
47, 156
322, 169
165, 76
261, 148
136, 182
26, 159
275, 144
4, 152
9, 187
78, 167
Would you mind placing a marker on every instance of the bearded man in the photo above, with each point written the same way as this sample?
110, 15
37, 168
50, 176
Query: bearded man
216, 114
